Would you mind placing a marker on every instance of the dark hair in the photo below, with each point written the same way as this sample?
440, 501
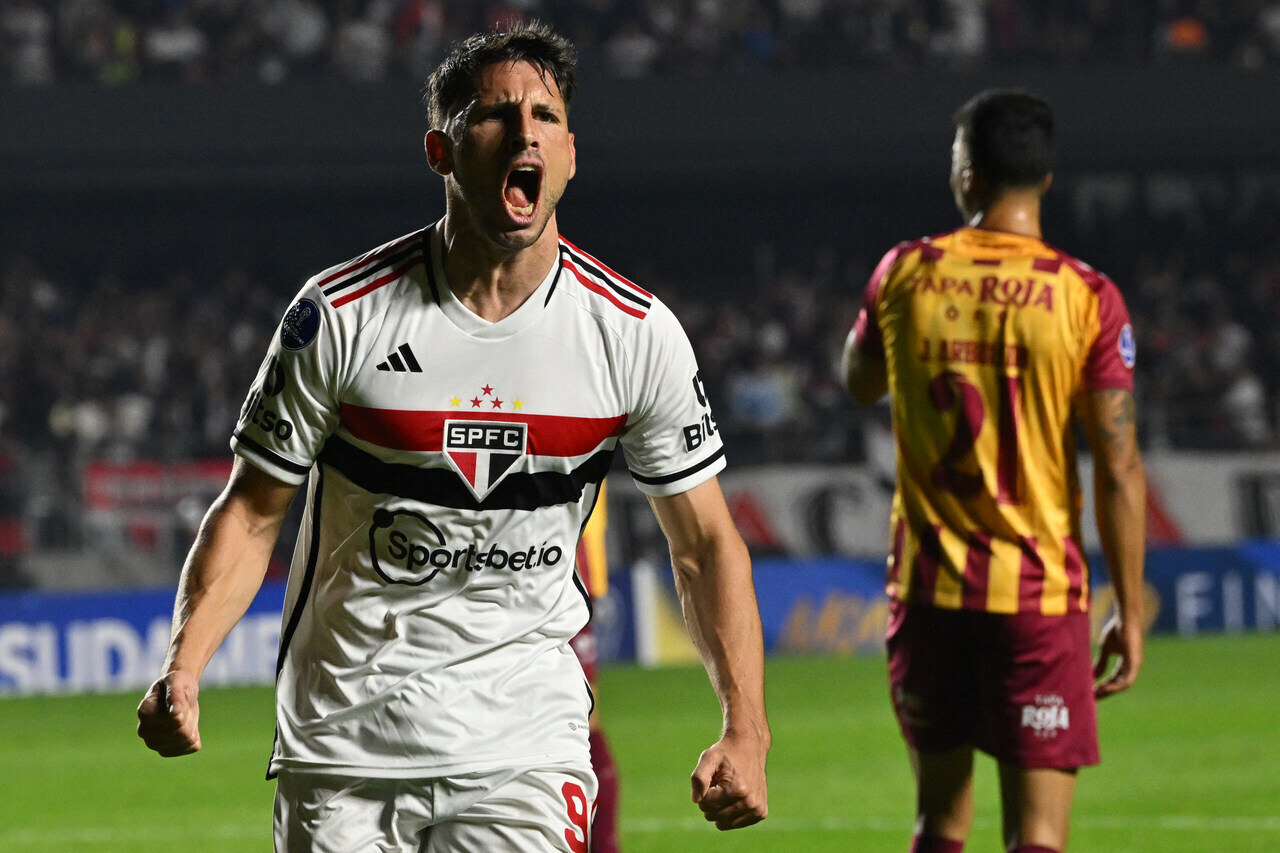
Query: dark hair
454, 82
1010, 136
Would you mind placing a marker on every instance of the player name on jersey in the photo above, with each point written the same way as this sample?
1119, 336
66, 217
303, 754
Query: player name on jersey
974, 352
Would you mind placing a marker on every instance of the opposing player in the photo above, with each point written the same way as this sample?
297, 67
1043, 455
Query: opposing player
452, 401
988, 340
593, 569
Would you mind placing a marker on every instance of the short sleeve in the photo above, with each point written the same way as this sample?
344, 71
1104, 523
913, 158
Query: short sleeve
292, 406
1113, 354
671, 441
866, 329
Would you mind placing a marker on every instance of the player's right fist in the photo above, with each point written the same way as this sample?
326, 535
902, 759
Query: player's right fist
169, 715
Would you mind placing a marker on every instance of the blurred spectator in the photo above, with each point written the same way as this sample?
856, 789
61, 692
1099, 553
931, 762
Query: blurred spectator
301, 30
963, 40
362, 49
27, 29
174, 47
1245, 404
14, 541
631, 51
418, 33
1181, 32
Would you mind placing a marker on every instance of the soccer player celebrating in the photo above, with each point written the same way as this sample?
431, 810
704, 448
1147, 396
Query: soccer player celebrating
452, 401
987, 340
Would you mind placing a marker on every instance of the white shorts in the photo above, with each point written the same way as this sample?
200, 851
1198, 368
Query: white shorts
521, 811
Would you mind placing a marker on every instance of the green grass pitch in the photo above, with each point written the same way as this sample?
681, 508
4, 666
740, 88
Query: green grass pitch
1190, 763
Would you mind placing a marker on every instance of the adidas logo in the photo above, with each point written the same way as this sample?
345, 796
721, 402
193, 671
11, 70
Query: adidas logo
401, 361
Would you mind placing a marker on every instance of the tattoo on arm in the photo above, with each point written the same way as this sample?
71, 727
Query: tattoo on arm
1111, 427
1118, 417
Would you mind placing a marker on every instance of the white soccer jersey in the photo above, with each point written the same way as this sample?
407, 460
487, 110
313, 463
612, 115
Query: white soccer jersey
452, 463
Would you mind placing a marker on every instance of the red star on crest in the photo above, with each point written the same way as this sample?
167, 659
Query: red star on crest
475, 402
488, 389
497, 404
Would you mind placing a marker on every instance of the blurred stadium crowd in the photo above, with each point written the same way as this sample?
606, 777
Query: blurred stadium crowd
119, 41
117, 365
112, 367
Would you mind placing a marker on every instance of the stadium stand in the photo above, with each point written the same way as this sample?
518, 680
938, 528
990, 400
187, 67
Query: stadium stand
125, 365
116, 42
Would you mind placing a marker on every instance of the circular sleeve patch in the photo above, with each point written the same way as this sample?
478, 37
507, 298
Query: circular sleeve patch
1128, 347
300, 325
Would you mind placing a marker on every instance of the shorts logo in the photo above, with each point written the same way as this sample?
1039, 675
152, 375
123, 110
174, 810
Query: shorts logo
300, 324
1128, 347
483, 452
1047, 717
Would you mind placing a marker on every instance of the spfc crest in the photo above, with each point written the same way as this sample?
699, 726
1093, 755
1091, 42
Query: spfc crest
483, 452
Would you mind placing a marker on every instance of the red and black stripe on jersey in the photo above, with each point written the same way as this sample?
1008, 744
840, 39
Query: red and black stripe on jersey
443, 487
423, 431
598, 278
369, 272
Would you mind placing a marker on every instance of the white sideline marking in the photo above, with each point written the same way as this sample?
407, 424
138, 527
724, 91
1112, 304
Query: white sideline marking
116, 834
262, 830
1191, 823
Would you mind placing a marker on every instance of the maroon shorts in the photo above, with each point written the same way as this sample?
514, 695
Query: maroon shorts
584, 646
1018, 687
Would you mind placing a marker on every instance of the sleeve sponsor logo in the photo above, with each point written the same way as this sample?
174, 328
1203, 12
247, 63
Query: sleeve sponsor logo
273, 382
255, 412
300, 325
696, 433
699, 390
1128, 347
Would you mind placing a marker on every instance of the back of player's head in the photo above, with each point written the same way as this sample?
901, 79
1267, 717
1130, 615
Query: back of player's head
1010, 137
453, 83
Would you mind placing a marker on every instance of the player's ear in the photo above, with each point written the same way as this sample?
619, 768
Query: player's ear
573, 158
439, 148
1046, 183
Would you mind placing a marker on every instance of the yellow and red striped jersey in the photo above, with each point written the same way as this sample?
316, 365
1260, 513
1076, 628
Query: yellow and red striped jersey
987, 337
593, 567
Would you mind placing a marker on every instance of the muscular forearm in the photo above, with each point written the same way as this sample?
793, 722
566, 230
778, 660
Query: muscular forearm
221, 576
1121, 498
719, 604
713, 576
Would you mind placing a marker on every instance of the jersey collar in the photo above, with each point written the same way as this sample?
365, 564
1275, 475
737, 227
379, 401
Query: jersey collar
466, 320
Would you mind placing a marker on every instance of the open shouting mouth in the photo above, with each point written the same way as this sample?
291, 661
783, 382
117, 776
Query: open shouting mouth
521, 190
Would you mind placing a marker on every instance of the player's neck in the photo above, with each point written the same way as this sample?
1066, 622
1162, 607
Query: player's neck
1014, 212
493, 281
